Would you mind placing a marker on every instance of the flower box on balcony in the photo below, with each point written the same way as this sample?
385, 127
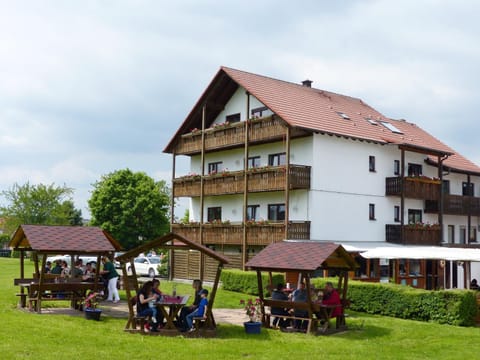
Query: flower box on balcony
423, 179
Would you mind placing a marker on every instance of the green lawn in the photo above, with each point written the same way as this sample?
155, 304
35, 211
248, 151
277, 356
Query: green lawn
28, 335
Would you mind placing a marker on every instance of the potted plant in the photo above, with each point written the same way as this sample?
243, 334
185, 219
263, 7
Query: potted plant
253, 311
90, 306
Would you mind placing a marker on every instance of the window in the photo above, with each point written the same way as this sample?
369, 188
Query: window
214, 213
343, 115
252, 212
414, 216
277, 159
215, 167
258, 112
463, 234
371, 163
233, 118
414, 169
391, 127
396, 167
371, 121
253, 162
467, 189
396, 213
450, 234
446, 186
276, 212
473, 234
371, 211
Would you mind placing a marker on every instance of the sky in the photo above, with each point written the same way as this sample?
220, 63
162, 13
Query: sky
90, 87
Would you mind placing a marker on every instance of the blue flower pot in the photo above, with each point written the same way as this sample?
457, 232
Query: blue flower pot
92, 314
252, 327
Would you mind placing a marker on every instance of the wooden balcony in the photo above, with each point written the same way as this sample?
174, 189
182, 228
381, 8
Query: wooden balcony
232, 234
259, 180
455, 205
266, 129
413, 235
414, 188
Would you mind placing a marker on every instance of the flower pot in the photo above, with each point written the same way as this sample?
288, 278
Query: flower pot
252, 327
92, 314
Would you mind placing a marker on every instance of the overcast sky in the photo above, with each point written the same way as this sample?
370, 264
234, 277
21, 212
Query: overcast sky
90, 87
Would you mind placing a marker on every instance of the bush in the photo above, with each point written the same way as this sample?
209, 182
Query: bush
246, 281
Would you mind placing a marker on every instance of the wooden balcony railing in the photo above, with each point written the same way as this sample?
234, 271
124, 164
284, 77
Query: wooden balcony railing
232, 234
414, 188
259, 180
413, 235
455, 205
270, 128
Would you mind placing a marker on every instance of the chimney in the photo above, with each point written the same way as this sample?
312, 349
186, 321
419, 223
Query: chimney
307, 83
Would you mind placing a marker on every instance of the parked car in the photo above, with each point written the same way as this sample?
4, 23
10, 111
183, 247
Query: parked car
146, 265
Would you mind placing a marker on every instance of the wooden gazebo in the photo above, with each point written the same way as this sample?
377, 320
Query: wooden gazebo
169, 241
43, 240
303, 258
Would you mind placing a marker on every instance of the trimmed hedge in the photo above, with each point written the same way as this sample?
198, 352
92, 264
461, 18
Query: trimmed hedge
454, 307
246, 281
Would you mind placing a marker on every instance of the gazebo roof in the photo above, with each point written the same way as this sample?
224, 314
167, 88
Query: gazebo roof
171, 241
305, 256
58, 239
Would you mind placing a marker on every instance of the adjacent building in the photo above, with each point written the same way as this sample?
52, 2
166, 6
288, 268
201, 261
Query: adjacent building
273, 160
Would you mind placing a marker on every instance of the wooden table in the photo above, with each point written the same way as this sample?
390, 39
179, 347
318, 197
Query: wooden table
170, 306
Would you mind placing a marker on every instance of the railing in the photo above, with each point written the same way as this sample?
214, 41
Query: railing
413, 235
259, 180
455, 205
232, 234
414, 188
232, 135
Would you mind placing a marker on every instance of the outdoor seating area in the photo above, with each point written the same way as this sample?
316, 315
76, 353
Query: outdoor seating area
309, 313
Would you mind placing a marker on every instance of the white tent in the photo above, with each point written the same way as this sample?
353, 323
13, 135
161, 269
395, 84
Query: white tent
423, 252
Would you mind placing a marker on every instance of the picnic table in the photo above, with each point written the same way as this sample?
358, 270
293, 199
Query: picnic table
170, 305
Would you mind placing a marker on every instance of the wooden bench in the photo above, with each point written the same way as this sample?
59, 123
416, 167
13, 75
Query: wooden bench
312, 322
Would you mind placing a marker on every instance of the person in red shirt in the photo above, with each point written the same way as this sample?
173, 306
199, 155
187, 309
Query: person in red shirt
331, 297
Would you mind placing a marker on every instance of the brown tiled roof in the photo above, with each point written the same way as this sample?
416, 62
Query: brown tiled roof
63, 239
317, 110
171, 240
305, 256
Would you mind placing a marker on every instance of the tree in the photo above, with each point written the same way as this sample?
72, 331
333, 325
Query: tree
133, 207
38, 204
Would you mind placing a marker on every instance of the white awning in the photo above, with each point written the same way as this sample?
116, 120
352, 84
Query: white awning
423, 252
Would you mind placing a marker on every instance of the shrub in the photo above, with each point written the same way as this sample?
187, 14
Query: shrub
246, 281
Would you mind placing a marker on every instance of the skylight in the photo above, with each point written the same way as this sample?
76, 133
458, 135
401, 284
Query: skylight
371, 121
343, 115
391, 127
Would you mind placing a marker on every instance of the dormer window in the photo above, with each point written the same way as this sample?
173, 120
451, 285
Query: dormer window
343, 115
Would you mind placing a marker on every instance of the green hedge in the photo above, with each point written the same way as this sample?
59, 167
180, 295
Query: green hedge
246, 281
454, 307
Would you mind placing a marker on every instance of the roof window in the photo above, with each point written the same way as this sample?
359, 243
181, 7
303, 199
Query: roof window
371, 121
343, 115
391, 127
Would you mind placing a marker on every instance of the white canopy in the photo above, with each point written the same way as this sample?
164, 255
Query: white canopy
423, 252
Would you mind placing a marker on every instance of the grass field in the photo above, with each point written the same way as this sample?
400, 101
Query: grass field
26, 335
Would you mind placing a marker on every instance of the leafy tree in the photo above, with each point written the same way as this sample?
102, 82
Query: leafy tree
133, 207
38, 204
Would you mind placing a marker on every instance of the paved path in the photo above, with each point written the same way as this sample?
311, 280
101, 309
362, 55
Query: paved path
120, 310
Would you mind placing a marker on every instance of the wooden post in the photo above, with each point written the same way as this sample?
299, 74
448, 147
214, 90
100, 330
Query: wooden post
245, 186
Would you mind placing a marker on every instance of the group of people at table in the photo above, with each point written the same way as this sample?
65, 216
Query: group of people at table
150, 295
329, 297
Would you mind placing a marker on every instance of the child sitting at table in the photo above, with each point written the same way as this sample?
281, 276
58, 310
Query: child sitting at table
200, 311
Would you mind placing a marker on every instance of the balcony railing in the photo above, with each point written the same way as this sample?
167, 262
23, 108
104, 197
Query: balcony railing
270, 128
455, 205
232, 234
259, 180
413, 235
414, 188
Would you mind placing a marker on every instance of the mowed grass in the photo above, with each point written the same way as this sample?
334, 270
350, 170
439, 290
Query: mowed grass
26, 335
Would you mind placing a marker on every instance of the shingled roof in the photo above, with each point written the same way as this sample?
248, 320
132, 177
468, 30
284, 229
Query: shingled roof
306, 256
317, 111
63, 239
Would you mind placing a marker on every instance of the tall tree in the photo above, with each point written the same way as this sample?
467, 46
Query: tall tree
133, 207
38, 204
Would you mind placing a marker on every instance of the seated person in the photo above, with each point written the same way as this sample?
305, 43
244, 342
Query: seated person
331, 297
278, 294
197, 285
200, 311
89, 273
77, 271
474, 285
156, 316
300, 295
144, 296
